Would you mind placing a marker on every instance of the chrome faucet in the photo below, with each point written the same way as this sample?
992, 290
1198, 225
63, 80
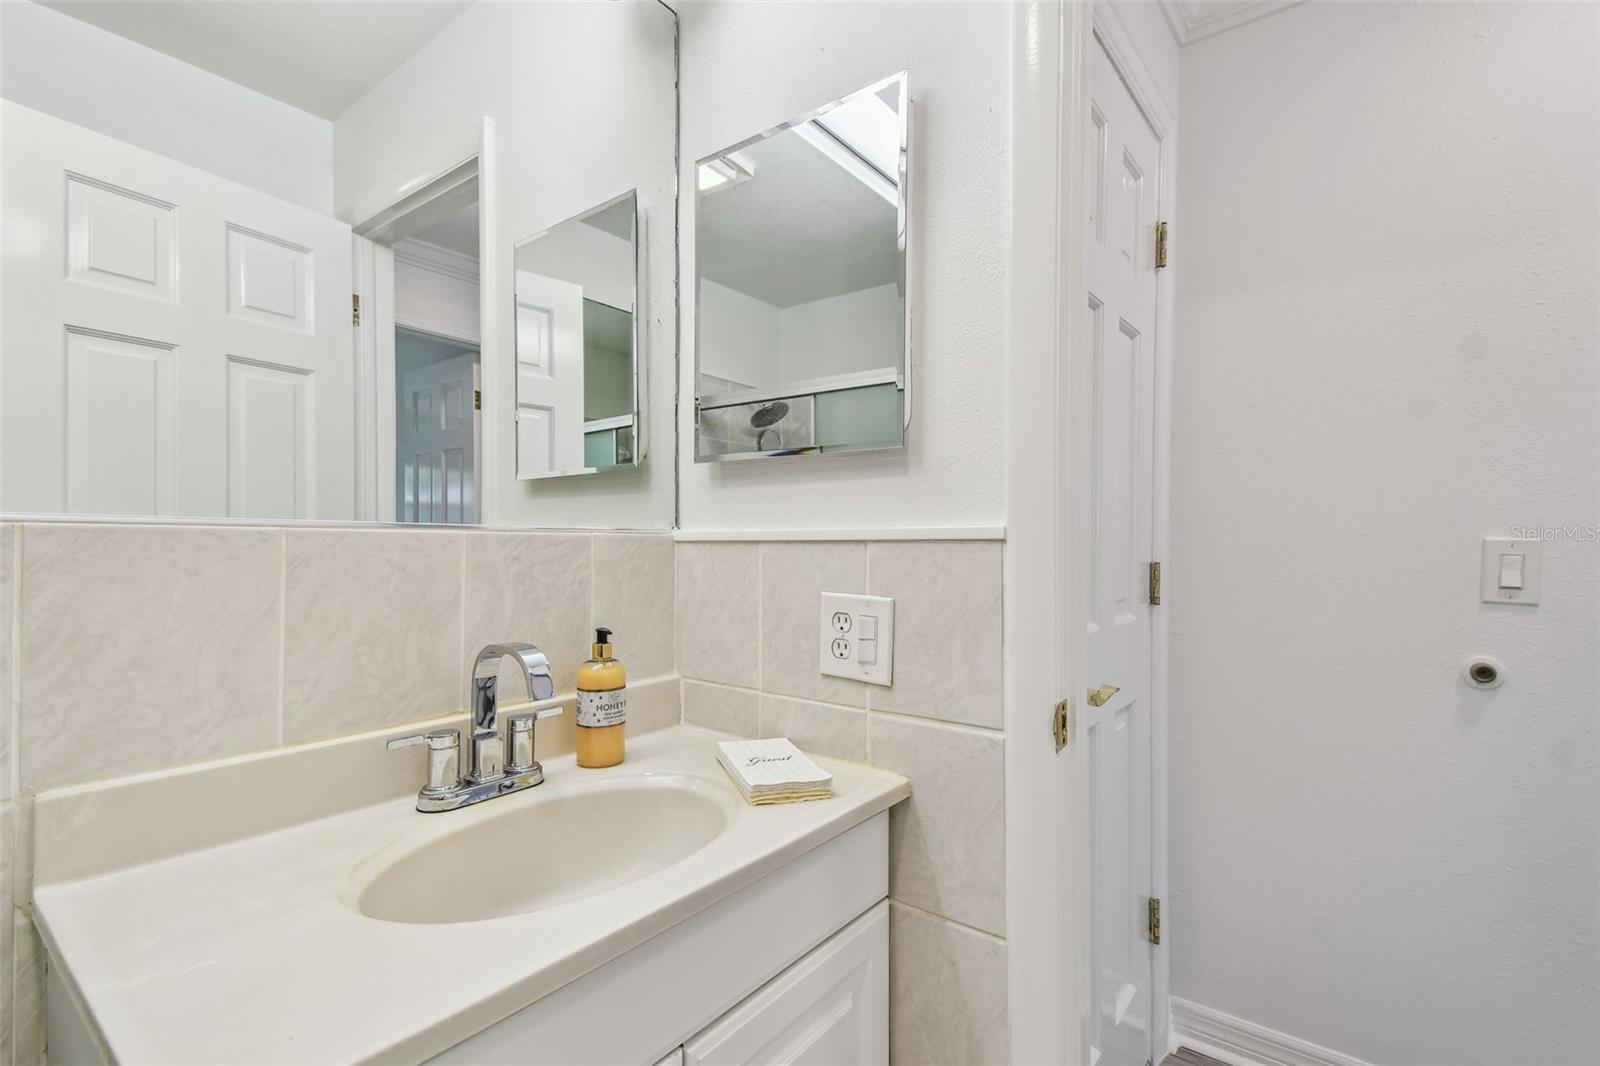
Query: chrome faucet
490, 773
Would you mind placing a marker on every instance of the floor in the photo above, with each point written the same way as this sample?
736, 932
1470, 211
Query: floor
1189, 1057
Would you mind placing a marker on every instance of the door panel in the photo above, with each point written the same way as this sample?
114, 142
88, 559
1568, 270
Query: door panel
549, 375
436, 443
1123, 158
229, 308
829, 1009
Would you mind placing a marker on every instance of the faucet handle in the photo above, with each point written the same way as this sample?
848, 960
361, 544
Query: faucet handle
444, 757
519, 736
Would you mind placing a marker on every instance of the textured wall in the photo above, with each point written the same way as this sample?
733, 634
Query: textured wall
748, 67
1385, 350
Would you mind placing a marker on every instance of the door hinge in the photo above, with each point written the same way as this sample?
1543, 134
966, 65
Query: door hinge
1061, 724
477, 399
355, 309
1155, 584
1161, 244
1154, 914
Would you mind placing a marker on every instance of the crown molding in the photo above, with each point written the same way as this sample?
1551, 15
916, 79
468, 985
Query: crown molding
1195, 20
439, 260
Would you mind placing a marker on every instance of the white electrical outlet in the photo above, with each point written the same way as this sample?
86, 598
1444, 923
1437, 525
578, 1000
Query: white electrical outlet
856, 637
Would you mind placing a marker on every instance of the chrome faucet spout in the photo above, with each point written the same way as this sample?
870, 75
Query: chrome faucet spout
486, 751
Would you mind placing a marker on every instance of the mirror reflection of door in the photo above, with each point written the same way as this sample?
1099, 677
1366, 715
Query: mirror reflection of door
577, 392
432, 317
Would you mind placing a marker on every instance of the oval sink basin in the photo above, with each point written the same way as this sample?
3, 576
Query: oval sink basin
527, 856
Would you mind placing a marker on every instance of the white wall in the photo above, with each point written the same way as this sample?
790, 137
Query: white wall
53, 63
592, 258
741, 337
1386, 349
747, 67
581, 97
842, 334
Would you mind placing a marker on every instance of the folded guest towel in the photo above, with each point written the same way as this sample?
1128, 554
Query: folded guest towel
773, 771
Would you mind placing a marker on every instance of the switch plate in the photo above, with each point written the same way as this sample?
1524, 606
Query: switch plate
849, 621
1500, 569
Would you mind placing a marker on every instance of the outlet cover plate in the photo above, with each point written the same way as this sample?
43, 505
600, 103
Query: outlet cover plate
856, 637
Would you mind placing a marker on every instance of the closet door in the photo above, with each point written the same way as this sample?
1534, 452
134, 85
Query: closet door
829, 1009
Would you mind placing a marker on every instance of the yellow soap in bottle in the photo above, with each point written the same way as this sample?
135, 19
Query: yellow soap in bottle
602, 705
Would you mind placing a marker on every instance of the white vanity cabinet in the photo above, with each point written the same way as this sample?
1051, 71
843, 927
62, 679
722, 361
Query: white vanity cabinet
829, 1009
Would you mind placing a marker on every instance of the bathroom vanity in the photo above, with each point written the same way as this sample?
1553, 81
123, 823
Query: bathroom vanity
296, 907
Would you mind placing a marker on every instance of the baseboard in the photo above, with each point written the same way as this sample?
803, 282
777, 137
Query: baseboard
1242, 1043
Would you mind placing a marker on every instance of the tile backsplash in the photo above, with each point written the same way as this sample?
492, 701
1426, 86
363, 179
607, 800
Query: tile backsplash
747, 652
130, 648
148, 647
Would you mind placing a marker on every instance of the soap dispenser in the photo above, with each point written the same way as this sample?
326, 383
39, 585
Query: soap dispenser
602, 705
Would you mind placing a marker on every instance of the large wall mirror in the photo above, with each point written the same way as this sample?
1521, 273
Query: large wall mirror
578, 384
254, 272
802, 335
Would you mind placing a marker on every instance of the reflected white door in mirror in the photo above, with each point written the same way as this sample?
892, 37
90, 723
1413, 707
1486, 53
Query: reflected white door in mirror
203, 328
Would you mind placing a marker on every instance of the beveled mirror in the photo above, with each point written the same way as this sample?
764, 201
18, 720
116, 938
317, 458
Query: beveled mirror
802, 337
577, 339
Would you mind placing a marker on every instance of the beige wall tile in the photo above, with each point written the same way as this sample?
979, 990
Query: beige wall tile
947, 993
947, 843
7, 931
372, 623
8, 542
27, 992
731, 710
947, 646
793, 578
533, 587
145, 647
817, 728
633, 595
719, 592
655, 706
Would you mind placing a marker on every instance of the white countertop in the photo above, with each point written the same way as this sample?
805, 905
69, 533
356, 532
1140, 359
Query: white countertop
253, 951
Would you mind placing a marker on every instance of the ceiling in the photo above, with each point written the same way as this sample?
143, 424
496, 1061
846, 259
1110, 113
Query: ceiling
320, 57
801, 228
457, 232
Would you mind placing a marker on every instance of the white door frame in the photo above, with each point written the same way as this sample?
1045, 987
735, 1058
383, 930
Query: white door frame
378, 212
1048, 428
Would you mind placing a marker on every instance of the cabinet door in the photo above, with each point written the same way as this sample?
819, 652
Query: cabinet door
829, 1009
674, 1058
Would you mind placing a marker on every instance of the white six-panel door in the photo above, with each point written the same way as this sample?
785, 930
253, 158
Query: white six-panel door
437, 434
1123, 157
549, 375
175, 344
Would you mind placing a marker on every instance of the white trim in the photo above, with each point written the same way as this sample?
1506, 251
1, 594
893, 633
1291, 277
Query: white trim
1041, 946
1244, 1043
1188, 28
437, 260
692, 536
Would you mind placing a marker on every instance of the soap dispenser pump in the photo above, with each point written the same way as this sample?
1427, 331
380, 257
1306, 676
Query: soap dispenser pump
602, 705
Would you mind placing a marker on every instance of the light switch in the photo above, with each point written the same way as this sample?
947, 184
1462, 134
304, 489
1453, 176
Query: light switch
867, 654
1509, 571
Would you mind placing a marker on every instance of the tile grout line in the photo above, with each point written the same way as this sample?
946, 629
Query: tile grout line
761, 632
948, 921
13, 694
866, 581
283, 635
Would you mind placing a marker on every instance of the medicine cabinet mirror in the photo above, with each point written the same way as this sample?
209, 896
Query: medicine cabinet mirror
308, 292
577, 339
802, 339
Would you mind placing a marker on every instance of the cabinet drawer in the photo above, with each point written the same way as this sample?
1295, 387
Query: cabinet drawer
831, 1008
